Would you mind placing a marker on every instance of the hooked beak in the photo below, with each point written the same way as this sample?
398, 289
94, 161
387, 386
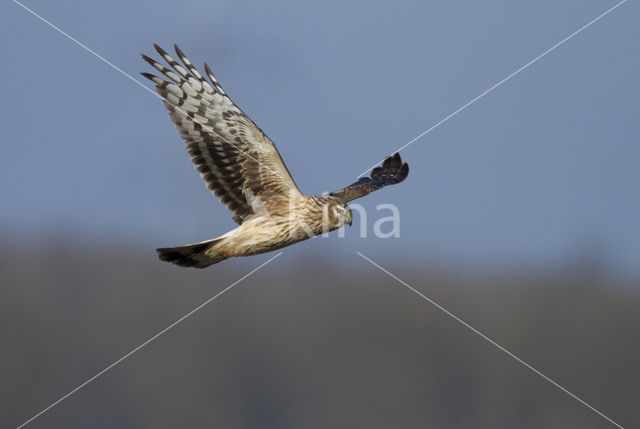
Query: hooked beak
349, 218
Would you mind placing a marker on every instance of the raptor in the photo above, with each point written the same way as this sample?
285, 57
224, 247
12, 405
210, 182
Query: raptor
243, 168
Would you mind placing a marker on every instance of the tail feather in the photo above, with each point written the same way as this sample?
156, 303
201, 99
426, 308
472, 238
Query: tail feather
191, 255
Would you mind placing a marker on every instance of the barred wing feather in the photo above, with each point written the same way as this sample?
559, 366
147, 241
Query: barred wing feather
234, 157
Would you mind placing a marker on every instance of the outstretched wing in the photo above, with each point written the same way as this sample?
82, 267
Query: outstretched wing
234, 157
392, 171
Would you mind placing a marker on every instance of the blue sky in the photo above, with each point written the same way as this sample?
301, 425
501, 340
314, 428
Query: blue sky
537, 171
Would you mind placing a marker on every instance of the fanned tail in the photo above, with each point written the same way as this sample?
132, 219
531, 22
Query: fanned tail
192, 255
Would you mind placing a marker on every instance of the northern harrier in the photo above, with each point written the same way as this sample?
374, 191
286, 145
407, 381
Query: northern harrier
243, 168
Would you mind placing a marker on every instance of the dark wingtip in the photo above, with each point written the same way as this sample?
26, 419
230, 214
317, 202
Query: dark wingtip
178, 50
403, 173
147, 59
392, 166
161, 51
148, 75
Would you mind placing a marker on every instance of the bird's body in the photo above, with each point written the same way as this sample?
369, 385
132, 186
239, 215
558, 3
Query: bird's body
243, 168
259, 233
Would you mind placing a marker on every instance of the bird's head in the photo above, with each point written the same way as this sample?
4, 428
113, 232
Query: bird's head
339, 213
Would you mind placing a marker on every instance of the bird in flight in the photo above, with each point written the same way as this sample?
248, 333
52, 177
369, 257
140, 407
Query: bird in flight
243, 168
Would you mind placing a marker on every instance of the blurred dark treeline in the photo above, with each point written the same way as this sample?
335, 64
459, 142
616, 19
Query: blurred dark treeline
313, 344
